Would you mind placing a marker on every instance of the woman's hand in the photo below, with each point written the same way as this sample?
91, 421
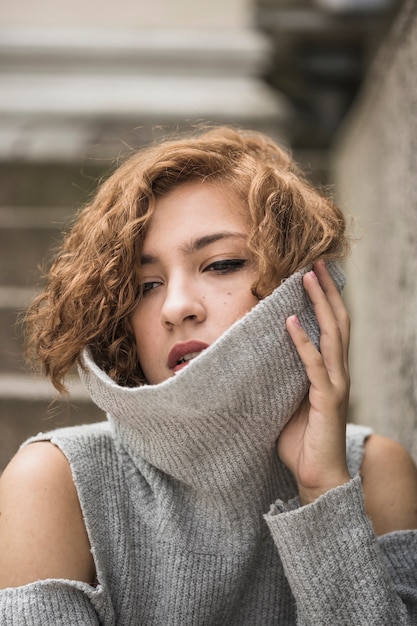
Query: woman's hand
313, 443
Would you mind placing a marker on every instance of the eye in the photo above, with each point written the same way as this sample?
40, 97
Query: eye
226, 266
149, 286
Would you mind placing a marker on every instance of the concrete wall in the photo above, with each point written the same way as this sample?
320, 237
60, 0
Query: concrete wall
376, 177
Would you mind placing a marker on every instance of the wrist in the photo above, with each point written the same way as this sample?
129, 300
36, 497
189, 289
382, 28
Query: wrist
310, 494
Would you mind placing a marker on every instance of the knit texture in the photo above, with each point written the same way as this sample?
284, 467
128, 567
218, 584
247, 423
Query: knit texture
174, 488
346, 589
231, 402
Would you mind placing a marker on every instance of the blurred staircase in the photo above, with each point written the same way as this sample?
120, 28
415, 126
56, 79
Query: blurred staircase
36, 201
71, 97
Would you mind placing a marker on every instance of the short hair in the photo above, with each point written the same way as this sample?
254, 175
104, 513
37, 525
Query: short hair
93, 286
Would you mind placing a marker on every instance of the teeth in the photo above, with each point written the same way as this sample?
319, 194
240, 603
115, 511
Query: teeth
188, 357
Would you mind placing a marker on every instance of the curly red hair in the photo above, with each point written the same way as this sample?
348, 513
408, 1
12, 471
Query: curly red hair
92, 286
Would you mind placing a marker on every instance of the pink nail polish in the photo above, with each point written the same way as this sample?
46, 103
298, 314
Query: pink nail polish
314, 275
296, 321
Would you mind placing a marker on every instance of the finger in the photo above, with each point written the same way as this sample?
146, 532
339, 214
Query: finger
336, 302
316, 369
331, 339
329, 389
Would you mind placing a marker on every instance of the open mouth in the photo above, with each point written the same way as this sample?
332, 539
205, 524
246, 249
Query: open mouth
187, 357
184, 352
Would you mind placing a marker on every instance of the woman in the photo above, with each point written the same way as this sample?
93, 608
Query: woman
222, 488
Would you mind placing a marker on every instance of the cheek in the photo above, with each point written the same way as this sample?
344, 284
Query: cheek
142, 330
236, 305
135, 322
150, 355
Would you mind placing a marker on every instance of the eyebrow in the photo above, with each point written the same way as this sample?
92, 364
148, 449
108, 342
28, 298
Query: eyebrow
196, 244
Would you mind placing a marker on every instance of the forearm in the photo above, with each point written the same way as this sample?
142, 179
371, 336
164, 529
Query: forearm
57, 602
335, 566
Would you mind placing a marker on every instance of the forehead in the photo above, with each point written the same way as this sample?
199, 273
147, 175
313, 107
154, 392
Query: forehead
194, 209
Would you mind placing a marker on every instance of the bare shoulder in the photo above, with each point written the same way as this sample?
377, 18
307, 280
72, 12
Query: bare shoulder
390, 485
42, 533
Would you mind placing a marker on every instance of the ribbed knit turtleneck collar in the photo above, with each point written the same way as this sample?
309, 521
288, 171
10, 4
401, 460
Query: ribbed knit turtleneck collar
212, 428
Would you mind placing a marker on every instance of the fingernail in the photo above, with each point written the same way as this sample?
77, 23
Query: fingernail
313, 273
296, 321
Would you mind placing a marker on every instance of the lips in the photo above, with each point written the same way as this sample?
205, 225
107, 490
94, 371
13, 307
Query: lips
182, 353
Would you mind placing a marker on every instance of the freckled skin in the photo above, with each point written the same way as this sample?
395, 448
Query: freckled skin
192, 294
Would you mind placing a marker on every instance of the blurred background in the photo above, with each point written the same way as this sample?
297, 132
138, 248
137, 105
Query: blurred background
82, 83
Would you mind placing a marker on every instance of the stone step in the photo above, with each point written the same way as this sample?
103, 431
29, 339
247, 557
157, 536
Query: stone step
65, 93
37, 200
11, 341
26, 237
26, 408
31, 221
13, 303
49, 184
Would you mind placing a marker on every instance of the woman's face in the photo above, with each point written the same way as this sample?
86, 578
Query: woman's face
196, 276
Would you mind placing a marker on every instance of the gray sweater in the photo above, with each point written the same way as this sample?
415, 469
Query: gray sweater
175, 490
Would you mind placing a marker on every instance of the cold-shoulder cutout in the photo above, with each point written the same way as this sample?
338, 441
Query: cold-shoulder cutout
389, 478
42, 532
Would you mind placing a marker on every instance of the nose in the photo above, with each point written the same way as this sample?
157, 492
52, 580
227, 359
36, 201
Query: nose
182, 304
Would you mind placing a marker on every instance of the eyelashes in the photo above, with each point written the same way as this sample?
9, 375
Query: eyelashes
226, 266
221, 267
147, 287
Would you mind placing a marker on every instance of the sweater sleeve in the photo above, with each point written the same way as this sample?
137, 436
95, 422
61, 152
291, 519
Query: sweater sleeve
340, 573
57, 602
